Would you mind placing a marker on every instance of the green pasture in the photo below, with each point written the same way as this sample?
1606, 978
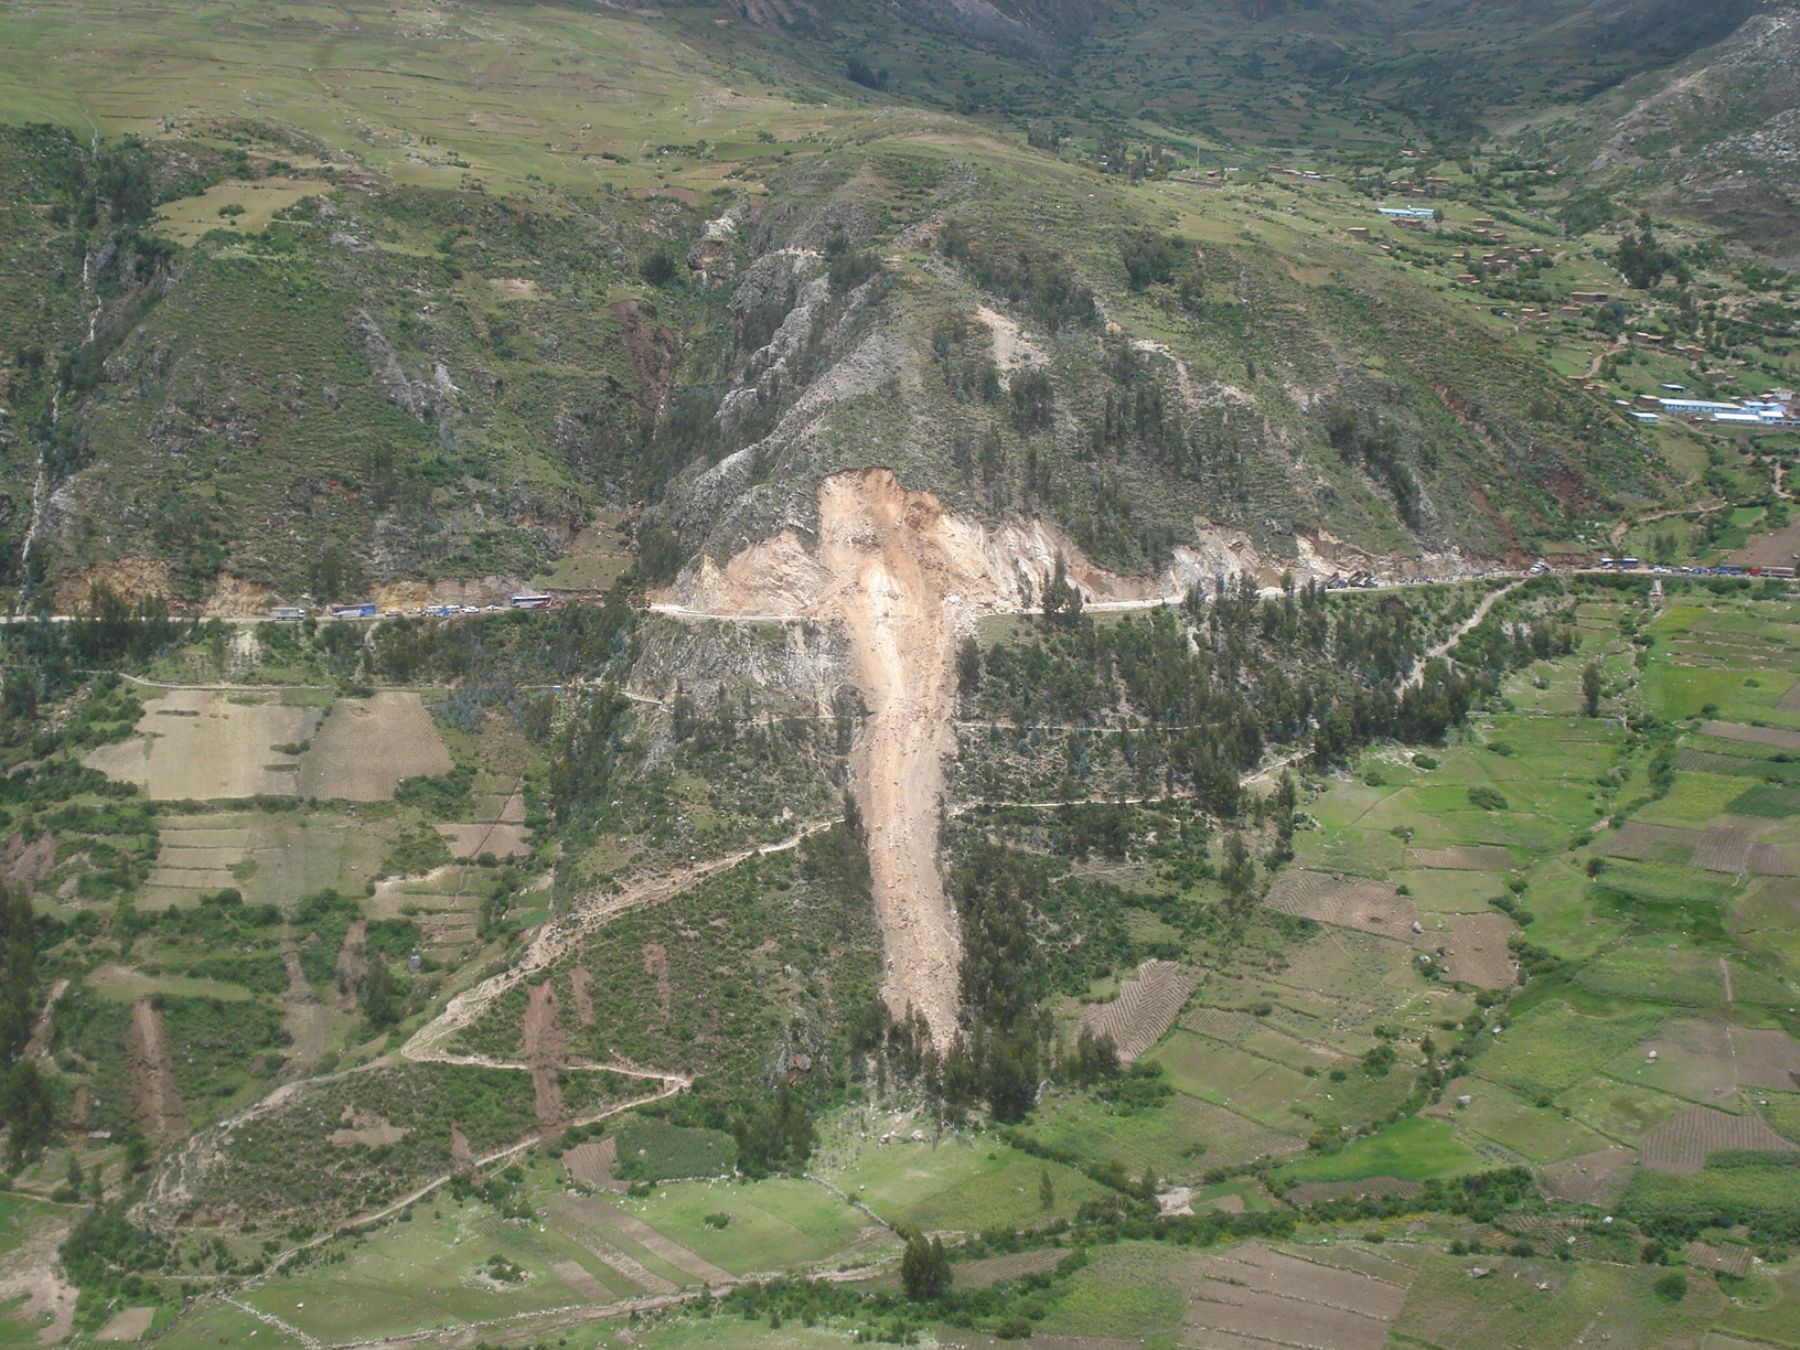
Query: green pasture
211, 1325
1540, 1302
1564, 920
425, 1272
1764, 1309
1728, 694
237, 206
1498, 1118
1226, 1076
771, 1224
1652, 970
1129, 1290
1412, 1149
1177, 1140
1553, 1047
1694, 800
560, 89
968, 1185
1623, 1112
1437, 890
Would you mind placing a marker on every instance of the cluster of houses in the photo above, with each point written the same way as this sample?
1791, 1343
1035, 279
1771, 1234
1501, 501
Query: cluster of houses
1502, 260
1776, 410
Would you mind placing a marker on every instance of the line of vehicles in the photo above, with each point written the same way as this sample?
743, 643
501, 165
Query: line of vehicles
368, 609
1630, 564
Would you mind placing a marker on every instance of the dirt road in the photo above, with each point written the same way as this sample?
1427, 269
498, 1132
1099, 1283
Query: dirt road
563, 935
1416, 676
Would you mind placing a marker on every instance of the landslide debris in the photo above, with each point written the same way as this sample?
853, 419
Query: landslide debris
906, 579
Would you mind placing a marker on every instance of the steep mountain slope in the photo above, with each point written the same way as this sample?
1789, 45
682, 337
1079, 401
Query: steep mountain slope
1278, 393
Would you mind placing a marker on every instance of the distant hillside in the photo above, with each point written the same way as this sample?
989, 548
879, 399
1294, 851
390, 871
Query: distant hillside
1715, 137
1260, 69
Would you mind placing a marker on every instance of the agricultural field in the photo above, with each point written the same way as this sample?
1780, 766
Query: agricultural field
1547, 947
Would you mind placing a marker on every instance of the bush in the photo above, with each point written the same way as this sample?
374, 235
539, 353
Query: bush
1150, 259
1672, 1288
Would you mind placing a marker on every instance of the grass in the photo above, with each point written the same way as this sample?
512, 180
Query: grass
960, 1184
1734, 696
1622, 1112
1501, 1119
221, 1324
1177, 1140
653, 1150
1764, 1308
125, 985
421, 1274
774, 1224
235, 206
1695, 798
1650, 971
1412, 1150
1256, 1087
1129, 1290
1553, 1047
1540, 1302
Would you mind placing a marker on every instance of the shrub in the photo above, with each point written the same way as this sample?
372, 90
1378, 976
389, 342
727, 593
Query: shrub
1487, 799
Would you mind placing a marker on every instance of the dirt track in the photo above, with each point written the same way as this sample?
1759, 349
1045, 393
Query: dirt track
565, 934
1416, 676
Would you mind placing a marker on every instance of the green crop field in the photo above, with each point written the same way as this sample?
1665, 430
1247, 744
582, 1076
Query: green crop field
771, 1225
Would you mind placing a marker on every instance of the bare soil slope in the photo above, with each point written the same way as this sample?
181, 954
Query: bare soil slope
159, 1104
